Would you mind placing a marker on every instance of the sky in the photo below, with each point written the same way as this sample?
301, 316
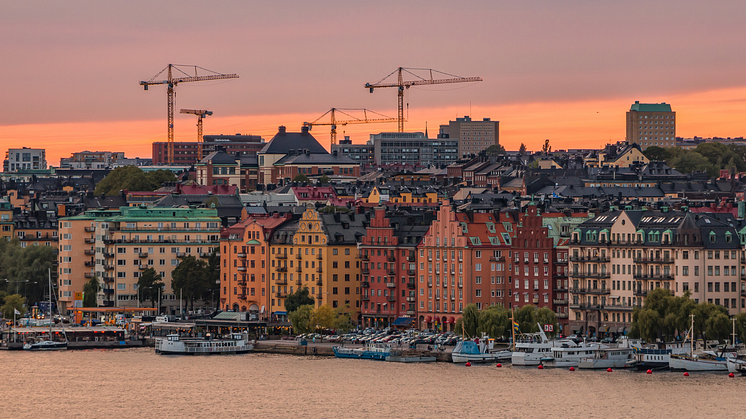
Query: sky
566, 71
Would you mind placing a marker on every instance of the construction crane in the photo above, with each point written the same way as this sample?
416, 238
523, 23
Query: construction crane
420, 81
353, 120
171, 81
200, 114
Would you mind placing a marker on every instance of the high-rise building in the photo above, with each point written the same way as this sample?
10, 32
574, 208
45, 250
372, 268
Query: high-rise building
472, 136
413, 148
20, 159
651, 124
186, 152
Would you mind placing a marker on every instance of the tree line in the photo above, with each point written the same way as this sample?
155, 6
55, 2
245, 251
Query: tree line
132, 178
494, 321
306, 319
24, 275
707, 158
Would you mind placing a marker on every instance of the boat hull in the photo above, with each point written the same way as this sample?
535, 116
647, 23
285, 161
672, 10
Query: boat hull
688, 364
376, 355
46, 346
598, 364
473, 358
202, 347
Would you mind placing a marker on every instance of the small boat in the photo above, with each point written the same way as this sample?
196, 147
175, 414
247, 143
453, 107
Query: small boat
536, 348
470, 351
706, 361
48, 344
609, 358
408, 356
569, 356
737, 364
657, 358
376, 351
236, 343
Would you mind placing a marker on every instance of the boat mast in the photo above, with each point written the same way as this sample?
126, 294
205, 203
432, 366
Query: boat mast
49, 272
691, 338
733, 342
512, 327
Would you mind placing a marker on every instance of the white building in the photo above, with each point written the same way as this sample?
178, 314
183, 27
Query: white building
17, 159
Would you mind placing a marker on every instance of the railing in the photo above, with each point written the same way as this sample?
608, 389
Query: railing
299, 282
281, 294
319, 269
640, 292
108, 255
298, 268
585, 306
578, 290
282, 281
617, 307
143, 254
282, 256
89, 252
366, 297
366, 271
410, 312
599, 291
391, 284
364, 257
365, 284
89, 241
597, 275
561, 315
652, 260
89, 275
241, 269
411, 299
282, 269
497, 259
89, 229
391, 298
648, 277
391, 258
318, 282
108, 267
411, 285
90, 264
600, 259
298, 255
319, 256
241, 255
411, 258
559, 302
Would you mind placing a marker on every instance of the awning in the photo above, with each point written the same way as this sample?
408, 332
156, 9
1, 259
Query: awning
403, 321
428, 319
280, 313
452, 320
612, 329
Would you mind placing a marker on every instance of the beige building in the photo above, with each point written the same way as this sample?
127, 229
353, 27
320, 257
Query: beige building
651, 124
473, 136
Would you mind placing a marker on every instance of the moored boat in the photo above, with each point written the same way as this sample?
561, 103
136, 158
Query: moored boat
48, 344
376, 351
569, 356
470, 351
605, 358
236, 343
706, 361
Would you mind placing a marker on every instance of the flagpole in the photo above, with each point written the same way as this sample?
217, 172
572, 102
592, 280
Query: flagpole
14, 324
512, 326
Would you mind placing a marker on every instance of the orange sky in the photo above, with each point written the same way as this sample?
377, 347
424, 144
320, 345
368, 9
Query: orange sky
576, 124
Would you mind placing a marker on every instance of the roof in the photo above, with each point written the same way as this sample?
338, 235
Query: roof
650, 107
327, 159
285, 141
218, 157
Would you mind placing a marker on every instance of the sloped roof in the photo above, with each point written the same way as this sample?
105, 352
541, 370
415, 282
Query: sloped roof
285, 141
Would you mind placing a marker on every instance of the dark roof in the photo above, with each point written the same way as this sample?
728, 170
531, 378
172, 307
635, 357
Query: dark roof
218, 157
285, 141
330, 159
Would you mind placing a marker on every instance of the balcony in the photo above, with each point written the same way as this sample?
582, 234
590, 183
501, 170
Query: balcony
108, 279
391, 298
241, 269
561, 315
241, 255
743, 293
391, 284
298, 255
108, 267
241, 282
366, 297
90, 264
585, 306
560, 275
281, 294
143, 254
89, 229
617, 308
410, 312
181, 255
364, 257
560, 302
662, 260
242, 296
599, 259
108, 291
282, 268
560, 289
318, 282
640, 292
411, 258
365, 284
649, 277
319, 256
599, 291
142, 267
298, 268
411, 285
89, 240
320, 269
89, 252
411, 273
411, 299
391, 258
497, 259
299, 282
281, 282
365, 271
282, 256
108, 255
202, 255
560, 262
578, 290
595, 275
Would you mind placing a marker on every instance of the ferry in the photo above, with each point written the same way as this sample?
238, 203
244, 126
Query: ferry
236, 343
537, 349
376, 351
569, 356
609, 358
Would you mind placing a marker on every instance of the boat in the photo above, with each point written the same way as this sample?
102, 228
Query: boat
657, 358
375, 351
605, 358
536, 348
173, 344
470, 351
704, 361
737, 364
48, 344
569, 356
408, 356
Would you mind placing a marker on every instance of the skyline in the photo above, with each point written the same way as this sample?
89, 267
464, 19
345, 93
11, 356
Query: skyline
564, 72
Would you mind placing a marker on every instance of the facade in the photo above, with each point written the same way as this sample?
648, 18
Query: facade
389, 267
6, 220
185, 152
36, 228
618, 257
117, 245
472, 136
534, 258
360, 153
91, 160
21, 159
282, 145
413, 149
651, 124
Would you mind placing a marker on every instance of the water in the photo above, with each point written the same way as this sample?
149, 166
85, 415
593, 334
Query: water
137, 383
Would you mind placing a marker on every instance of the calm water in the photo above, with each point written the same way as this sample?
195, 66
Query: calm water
137, 383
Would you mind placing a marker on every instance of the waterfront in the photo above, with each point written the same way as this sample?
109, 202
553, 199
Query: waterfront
138, 383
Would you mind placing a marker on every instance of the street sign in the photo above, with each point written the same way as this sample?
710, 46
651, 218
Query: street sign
549, 328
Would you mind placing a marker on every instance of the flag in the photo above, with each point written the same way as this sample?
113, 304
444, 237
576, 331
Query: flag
516, 327
18, 313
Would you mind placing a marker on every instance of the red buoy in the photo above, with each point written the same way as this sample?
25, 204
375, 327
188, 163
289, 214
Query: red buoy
650, 371
609, 369
541, 367
686, 374
499, 365
468, 364
731, 375
572, 368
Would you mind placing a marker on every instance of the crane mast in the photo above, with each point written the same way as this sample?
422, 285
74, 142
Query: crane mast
170, 81
401, 85
353, 120
200, 115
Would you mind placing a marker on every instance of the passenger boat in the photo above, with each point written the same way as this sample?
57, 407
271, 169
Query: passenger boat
706, 361
651, 358
569, 356
48, 344
605, 358
376, 351
536, 348
470, 351
236, 343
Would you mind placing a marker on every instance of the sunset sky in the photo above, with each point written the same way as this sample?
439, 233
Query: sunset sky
562, 70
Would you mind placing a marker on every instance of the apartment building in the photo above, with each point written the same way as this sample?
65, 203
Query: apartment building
651, 124
472, 136
21, 159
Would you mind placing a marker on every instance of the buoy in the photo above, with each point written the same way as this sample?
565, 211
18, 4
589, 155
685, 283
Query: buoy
731, 375
499, 365
609, 369
650, 371
572, 368
468, 364
541, 367
686, 374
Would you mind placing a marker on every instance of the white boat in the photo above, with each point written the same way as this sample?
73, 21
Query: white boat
470, 351
605, 358
174, 344
569, 356
376, 351
706, 361
537, 349
48, 344
736, 364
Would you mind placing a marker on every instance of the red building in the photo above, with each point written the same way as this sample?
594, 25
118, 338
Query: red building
389, 255
185, 152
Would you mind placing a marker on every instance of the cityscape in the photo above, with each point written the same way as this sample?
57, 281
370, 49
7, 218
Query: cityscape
555, 199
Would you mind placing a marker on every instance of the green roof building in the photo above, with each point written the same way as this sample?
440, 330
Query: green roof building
651, 124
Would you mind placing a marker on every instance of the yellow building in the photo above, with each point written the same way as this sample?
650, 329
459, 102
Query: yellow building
318, 251
6, 220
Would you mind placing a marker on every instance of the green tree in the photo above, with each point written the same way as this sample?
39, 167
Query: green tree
301, 319
468, 324
545, 316
648, 324
323, 180
494, 321
299, 298
494, 150
13, 302
690, 161
718, 327
655, 153
132, 178
741, 326
522, 150
26, 269
526, 319
324, 317
149, 285
190, 279
301, 178
90, 292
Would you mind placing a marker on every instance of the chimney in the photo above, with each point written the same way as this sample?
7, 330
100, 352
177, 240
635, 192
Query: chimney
304, 129
281, 130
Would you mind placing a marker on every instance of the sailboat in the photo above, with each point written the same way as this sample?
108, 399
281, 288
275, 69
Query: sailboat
707, 361
49, 344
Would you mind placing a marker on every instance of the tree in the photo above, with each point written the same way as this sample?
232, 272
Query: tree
741, 326
468, 324
324, 317
546, 148
90, 292
522, 150
298, 299
655, 153
494, 321
526, 319
190, 279
691, 161
323, 180
545, 316
718, 326
12, 303
494, 150
648, 324
300, 178
149, 285
26, 269
301, 319
132, 178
